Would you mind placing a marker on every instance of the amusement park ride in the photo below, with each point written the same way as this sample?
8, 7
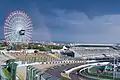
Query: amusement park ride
17, 30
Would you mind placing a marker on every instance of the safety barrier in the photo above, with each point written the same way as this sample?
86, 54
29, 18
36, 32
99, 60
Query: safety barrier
82, 66
35, 74
20, 63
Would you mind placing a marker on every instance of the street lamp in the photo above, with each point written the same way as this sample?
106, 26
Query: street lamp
36, 77
28, 74
114, 70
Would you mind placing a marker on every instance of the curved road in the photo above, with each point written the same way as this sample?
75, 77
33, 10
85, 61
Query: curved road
56, 71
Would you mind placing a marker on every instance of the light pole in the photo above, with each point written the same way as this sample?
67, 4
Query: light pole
117, 64
28, 74
33, 73
37, 77
114, 69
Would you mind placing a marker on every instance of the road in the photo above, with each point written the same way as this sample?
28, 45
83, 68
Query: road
56, 70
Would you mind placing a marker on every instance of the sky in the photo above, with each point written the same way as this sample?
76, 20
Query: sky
85, 21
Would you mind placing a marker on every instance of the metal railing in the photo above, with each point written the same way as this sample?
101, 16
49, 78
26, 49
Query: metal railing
33, 73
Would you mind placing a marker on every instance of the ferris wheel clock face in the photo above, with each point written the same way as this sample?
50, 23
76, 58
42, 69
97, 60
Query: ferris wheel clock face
18, 28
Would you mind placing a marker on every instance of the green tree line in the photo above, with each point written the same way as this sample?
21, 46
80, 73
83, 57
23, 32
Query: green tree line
44, 47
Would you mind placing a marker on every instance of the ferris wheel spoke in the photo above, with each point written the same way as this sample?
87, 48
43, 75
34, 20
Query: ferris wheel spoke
8, 25
29, 29
28, 22
7, 37
8, 28
10, 21
28, 25
7, 33
26, 19
28, 38
28, 33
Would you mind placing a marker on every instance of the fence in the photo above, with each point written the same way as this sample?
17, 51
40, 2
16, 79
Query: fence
35, 74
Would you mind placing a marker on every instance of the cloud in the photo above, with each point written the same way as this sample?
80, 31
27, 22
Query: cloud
73, 25
40, 29
76, 26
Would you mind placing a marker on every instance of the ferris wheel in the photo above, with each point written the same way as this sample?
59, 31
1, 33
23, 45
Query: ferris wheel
18, 28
